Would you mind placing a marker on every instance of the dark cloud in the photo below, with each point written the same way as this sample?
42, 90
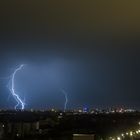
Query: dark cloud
90, 48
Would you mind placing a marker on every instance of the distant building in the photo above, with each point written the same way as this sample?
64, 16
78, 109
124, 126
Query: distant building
83, 136
17, 129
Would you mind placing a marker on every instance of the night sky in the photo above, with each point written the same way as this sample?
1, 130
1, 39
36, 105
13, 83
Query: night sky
89, 48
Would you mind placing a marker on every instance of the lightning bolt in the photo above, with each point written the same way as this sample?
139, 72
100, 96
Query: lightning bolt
66, 99
12, 89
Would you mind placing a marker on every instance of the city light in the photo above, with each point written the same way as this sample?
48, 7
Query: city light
118, 138
131, 134
127, 133
122, 135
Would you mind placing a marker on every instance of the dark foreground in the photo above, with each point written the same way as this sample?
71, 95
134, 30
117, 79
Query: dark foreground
51, 125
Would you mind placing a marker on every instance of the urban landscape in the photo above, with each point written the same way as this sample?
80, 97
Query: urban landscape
111, 124
70, 70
